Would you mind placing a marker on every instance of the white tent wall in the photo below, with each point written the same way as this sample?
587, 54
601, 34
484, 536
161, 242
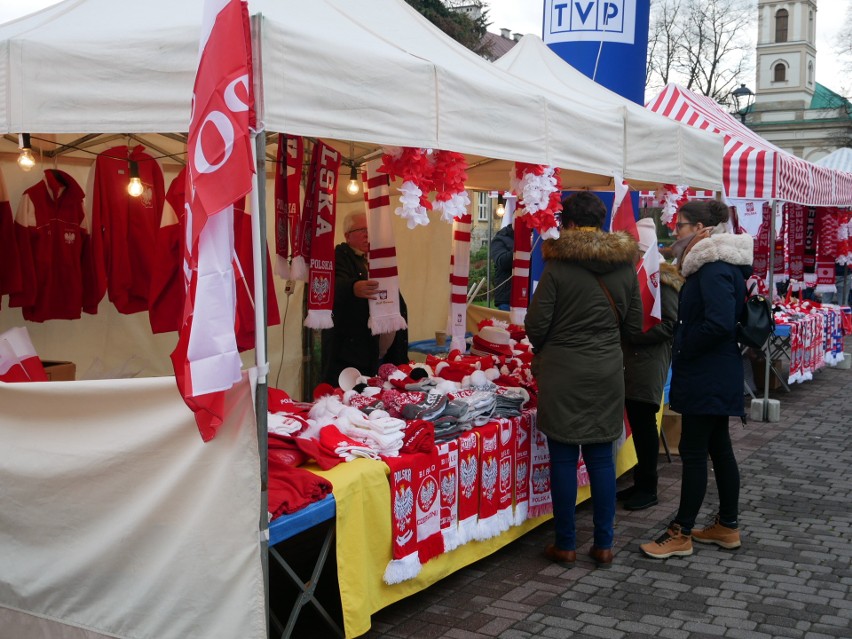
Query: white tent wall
118, 521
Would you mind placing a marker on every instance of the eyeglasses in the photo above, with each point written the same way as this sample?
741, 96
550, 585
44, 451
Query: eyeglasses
358, 230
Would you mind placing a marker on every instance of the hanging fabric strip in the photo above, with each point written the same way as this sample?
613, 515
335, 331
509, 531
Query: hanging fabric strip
761, 245
385, 315
795, 213
809, 260
459, 270
318, 235
520, 270
826, 250
288, 176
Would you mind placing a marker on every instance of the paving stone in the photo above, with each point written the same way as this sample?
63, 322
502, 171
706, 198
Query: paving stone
792, 577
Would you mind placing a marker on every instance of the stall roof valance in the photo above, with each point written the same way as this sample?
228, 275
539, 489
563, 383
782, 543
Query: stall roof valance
657, 149
753, 167
373, 72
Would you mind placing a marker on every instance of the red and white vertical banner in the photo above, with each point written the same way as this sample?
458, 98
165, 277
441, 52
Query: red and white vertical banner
220, 169
520, 295
318, 234
288, 177
623, 217
648, 272
385, 314
459, 272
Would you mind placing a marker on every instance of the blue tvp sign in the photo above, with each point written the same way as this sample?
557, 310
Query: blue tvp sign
589, 20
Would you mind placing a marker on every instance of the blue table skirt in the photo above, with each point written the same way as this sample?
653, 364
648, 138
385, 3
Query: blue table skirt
287, 526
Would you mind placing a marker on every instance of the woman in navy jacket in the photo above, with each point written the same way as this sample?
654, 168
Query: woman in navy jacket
707, 373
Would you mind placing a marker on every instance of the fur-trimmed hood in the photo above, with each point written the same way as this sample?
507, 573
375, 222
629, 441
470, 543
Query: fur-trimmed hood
595, 250
670, 276
720, 246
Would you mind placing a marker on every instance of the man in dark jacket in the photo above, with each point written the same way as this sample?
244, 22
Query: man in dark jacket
502, 252
350, 342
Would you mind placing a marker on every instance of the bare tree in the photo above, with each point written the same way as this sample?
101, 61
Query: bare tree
843, 41
705, 45
663, 42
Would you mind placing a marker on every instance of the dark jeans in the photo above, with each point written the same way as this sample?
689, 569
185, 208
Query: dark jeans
600, 463
700, 435
643, 422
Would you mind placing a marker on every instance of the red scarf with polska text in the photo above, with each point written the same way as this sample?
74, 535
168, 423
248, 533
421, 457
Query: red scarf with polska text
317, 240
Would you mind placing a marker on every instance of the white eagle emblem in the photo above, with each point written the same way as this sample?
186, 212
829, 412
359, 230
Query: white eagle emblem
448, 488
505, 474
320, 289
489, 477
541, 479
520, 472
468, 474
427, 494
403, 504
70, 237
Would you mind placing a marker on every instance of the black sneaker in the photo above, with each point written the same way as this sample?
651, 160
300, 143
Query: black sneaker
640, 501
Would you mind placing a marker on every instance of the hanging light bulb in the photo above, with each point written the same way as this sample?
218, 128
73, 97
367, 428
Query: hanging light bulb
134, 187
25, 159
353, 188
500, 211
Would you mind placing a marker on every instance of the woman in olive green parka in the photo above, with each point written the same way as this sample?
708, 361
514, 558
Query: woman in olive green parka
576, 335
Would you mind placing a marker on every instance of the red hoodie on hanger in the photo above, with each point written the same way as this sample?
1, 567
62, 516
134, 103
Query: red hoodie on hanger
55, 252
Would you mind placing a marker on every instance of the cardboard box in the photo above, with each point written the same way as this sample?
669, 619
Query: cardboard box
671, 428
60, 371
760, 373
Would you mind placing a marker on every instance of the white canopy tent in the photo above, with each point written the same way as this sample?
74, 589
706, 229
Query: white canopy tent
85, 72
840, 159
657, 150
373, 72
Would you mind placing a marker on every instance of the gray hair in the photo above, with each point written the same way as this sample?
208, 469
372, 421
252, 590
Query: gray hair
351, 218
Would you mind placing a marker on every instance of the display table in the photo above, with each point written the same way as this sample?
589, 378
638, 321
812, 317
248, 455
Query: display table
286, 527
362, 497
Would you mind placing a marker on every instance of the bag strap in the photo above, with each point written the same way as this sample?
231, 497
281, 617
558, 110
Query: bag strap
611, 301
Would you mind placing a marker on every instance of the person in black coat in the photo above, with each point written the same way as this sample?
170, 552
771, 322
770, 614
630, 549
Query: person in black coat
707, 373
350, 342
647, 356
502, 253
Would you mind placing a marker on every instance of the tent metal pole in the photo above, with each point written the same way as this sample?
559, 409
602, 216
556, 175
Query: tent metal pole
767, 354
258, 240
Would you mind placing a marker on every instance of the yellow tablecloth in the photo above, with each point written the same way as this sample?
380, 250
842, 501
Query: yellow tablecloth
362, 496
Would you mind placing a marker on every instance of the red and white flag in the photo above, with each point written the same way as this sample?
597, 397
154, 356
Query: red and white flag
220, 168
623, 218
648, 272
19, 361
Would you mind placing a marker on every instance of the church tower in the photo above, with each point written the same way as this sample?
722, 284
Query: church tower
786, 54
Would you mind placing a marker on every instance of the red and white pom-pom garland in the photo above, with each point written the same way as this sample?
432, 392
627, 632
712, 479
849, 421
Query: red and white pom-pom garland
414, 166
672, 198
539, 191
449, 177
422, 171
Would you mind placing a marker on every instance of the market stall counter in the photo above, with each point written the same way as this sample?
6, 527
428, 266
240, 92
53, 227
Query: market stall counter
364, 540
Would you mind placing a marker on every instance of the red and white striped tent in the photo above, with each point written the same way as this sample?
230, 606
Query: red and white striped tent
754, 168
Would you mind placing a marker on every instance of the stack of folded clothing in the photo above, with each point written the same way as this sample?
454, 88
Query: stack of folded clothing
331, 440
381, 432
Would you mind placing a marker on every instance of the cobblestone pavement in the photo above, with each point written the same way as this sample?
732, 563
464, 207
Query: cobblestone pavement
791, 577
